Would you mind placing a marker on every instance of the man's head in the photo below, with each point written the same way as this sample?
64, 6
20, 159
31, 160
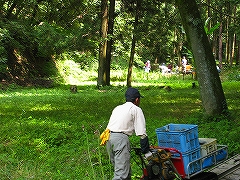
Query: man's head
132, 94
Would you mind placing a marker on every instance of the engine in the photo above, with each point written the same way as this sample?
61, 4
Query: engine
160, 166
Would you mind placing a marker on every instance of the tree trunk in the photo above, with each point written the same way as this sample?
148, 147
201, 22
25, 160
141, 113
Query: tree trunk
102, 75
220, 45
209, 14
214, 44
227, 41
238, 53
211, 91
234, 39
228, 37
12, 60
130, 65
110, 40
232, 50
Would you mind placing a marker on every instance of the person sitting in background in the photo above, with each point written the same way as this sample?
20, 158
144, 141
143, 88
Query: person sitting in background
163, 68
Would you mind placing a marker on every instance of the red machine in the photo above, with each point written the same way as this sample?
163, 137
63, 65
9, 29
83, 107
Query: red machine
180, 154
168, 164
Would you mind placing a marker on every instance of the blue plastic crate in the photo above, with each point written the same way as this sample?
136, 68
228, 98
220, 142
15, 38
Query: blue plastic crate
209, 161
189, 157
183, 137
222, 154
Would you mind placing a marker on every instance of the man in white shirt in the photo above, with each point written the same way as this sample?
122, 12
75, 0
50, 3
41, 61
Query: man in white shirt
125, 120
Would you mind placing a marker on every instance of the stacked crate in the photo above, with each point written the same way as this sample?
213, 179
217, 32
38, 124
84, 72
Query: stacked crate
184, 138
208, 145
208, 150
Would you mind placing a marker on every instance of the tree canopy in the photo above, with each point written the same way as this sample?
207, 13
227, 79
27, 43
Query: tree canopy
34, 34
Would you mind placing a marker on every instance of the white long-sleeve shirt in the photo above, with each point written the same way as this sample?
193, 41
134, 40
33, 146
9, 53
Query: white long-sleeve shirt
127, 118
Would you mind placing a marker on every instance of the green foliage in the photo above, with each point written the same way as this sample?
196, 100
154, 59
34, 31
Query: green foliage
3, 63
3, 55
72, 72
230, 73
37, 31
54, 134
18, 36
212, 29
51, 39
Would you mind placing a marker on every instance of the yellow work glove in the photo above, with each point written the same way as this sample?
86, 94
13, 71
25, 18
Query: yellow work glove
104, 137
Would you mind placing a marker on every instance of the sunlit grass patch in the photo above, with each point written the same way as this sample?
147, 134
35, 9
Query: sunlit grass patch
54, 134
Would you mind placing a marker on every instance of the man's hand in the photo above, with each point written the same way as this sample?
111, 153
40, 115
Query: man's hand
148, 155
144, 144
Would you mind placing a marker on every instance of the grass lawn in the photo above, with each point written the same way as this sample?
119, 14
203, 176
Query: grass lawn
54, 134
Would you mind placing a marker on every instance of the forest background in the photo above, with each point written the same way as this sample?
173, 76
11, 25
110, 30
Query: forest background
38, 36
53, 44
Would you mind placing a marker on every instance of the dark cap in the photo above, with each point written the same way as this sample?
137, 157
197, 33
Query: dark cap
132, 94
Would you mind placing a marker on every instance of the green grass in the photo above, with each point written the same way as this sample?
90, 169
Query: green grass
54, 134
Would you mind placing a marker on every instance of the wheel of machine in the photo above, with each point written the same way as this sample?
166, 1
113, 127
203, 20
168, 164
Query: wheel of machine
205, 176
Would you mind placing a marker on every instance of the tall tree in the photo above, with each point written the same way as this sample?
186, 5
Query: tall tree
105, 48
232, 52
102, 76
110, 40
132, 53
211, 91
